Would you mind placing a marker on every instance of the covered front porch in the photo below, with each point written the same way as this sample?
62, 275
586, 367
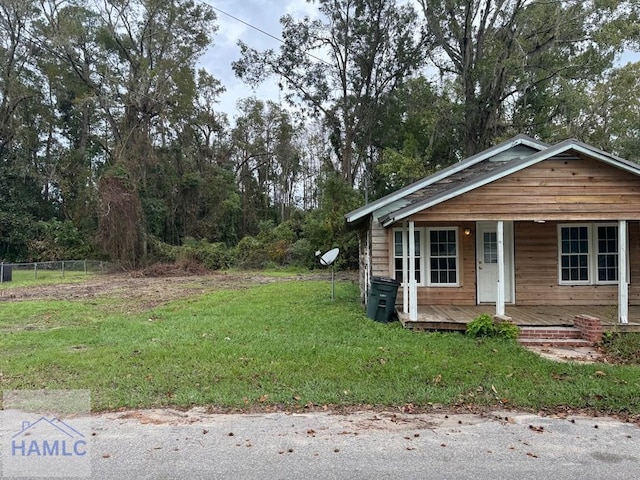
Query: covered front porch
455, 317
484, 266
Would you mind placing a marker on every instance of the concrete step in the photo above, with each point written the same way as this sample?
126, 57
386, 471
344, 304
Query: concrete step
554, 342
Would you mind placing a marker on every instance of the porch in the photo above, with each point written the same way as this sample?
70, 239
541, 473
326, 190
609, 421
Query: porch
455, 317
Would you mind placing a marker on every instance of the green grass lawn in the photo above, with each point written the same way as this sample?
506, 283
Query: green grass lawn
286, 344
28, 277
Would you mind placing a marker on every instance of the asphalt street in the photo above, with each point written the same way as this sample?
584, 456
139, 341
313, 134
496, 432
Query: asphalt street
168, 444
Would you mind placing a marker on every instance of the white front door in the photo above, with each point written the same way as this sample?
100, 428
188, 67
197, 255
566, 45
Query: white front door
487, 261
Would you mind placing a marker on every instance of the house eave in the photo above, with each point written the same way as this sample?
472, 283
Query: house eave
365, 210
508, 169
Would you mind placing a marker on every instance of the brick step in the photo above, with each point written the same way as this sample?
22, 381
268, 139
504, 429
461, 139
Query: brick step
550, 332
554, 342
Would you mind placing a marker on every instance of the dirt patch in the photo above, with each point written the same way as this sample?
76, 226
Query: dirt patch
141, 290
570, 354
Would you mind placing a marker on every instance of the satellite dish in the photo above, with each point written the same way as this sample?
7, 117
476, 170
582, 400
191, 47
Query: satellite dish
329, 257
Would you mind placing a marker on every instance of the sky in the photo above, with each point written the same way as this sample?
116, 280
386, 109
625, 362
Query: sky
263, 14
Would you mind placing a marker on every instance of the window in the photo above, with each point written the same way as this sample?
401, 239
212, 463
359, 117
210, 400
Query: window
398, 253
490, 242
575, 254
588, 254
443, 256
607, 254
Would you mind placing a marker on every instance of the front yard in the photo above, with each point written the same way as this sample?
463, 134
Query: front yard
257, 341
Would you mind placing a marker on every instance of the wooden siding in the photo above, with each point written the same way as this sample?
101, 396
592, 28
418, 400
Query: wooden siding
536, 268
465, 294
562, 190
536, 271
380, 250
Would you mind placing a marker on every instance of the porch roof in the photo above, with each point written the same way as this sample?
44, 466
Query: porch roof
475, 176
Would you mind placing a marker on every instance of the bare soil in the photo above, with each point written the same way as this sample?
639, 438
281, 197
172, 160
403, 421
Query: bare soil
141, 290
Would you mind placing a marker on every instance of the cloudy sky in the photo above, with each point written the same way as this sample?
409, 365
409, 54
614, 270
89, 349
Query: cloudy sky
263, 14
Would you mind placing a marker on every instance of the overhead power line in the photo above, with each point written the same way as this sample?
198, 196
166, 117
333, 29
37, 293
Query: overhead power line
247, 24
258, 29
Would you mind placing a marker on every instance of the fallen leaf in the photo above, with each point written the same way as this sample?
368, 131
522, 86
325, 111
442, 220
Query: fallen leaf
263, 398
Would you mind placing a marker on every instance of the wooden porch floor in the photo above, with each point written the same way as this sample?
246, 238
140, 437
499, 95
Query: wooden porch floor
454, 317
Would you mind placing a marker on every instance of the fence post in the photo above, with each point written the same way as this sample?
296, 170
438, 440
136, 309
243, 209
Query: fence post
85, 266
35, 271
1, 272
63, 269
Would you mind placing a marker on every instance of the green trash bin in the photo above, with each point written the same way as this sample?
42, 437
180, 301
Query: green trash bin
381, 301
7, 270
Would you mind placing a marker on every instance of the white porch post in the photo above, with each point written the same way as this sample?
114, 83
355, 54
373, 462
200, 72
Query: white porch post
623, 283
413, 287
405, 270
500, 287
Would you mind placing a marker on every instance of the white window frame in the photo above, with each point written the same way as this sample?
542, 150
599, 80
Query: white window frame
419, 265
592, 254
427, 256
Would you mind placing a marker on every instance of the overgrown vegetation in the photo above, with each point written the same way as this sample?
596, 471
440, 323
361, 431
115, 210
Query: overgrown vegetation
485, 326
623, 348
282, 345
113, 145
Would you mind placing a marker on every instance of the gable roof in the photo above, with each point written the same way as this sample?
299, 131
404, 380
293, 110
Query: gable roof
478, 175
401, 195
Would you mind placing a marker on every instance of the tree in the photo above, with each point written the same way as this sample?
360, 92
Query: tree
136, 59
419, 133
611, 118
340, 66
504, 53
266, 161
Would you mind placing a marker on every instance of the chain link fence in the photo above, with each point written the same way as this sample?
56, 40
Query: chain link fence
58, 269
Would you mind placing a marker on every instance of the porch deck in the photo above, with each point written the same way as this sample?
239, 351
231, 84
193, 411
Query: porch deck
455, 317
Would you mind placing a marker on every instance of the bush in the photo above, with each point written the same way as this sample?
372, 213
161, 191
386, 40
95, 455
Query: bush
214, 256
250, 253
160, 252
56, 240
485, 326
301, 254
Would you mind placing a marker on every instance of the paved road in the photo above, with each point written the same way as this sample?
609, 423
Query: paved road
166, 444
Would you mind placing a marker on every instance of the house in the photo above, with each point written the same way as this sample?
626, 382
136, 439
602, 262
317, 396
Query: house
523, 223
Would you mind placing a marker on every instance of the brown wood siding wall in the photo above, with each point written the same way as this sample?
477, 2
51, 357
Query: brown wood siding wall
465, 294
561, 190
380, 249
536, 269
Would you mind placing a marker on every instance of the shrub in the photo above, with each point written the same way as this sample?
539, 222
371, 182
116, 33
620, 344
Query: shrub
301, 254
214, 256
250, 253
485, 326
161, 252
